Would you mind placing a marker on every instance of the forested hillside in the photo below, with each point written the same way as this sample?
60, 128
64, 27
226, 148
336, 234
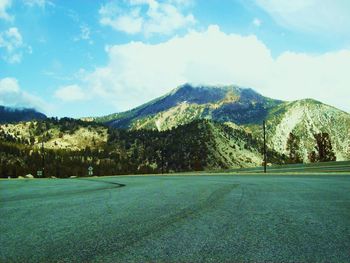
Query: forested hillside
247, 109
10, 114
191, 128
200, 145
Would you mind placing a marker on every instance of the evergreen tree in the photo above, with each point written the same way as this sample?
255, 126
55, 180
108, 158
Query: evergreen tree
312, 156
293, 148
324, 150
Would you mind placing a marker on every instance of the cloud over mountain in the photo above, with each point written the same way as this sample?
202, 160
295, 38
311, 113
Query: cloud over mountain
12, 95
70, 93
137, 72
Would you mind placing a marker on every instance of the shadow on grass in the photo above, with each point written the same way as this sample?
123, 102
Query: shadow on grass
55, 193
117, 185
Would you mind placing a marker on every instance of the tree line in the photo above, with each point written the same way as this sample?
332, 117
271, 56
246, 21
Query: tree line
186, 148
126, 152
323, 150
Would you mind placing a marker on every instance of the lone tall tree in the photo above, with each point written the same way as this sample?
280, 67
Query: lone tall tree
324, 150
293, 148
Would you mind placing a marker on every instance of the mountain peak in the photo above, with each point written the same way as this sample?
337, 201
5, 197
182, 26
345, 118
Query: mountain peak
221, 89
188, 102
191, 86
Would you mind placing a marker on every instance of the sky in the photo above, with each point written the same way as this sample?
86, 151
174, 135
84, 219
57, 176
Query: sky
92, 58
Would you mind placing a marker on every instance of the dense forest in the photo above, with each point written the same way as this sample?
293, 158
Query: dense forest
125, 152
9, 114
191, 147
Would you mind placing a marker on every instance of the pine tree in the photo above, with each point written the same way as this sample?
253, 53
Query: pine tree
293, 148
324, 150
312, 156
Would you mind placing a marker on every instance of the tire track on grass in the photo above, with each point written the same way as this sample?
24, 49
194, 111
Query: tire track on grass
131, 238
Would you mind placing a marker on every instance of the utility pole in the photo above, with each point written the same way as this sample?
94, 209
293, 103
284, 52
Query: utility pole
43, 157
163, 150
264, 130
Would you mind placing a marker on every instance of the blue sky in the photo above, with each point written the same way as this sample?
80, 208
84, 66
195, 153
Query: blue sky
90, 58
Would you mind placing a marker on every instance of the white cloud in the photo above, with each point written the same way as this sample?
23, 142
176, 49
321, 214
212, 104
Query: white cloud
321, 17
84, 34
11, 43
159, 18
138, 72
130, 23
4, 5
12, 95
256, 22
9, 85
39, 3
183, 3
70, 93
324, 77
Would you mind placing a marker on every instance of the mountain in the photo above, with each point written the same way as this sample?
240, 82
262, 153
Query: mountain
187, 103
190, 128
305, 118
9, 114
246, 109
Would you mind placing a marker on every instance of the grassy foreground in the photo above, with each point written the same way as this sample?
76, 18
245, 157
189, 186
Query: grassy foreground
176, 218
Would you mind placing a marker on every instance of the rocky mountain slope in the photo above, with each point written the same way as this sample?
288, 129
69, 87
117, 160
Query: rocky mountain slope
63, 134
187, 103
247, 109
304, 118
10, 115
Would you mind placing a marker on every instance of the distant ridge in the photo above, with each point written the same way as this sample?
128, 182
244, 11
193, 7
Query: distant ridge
12, 114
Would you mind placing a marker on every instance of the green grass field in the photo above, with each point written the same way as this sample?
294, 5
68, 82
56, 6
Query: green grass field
324, 167
212, 218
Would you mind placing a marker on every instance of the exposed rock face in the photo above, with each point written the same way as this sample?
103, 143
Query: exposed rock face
187, 102
246, 108
32, 132
305, 118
